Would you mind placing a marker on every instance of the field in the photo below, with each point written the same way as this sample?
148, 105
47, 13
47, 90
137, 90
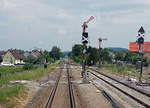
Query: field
8, 90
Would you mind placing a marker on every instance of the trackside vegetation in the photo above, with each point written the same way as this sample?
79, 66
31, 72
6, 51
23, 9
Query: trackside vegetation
125, 70
9, 90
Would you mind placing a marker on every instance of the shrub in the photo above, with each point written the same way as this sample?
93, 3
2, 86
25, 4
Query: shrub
28, 66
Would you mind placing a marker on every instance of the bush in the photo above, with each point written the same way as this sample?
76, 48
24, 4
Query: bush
6, 69
28, 66
77, 59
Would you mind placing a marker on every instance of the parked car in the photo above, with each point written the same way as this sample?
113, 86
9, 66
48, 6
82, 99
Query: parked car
6, 64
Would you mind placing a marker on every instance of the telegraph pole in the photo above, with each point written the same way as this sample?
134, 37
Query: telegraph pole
84, 42
140, 41
100, 49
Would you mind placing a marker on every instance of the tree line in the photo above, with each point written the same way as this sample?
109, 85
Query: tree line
46, 56
107, 56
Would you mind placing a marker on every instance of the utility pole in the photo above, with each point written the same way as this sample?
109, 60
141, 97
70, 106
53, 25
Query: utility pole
84, 42
100, 49
140, 42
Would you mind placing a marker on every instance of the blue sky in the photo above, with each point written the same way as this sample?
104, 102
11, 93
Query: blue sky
26, 24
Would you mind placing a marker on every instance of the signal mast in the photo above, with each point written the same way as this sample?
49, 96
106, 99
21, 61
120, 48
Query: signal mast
100, 49
84, 42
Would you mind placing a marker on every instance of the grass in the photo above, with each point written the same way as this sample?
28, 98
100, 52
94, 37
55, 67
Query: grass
8, 90
26, 75
31, 74
6, 69
125, 70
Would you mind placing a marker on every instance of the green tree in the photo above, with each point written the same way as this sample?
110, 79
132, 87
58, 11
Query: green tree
45, 55
77, 50
55, 53
132, 57
106, 56
1, 59
31, 59
119, 56
92, 56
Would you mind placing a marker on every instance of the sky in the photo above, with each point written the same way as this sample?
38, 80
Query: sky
29, 24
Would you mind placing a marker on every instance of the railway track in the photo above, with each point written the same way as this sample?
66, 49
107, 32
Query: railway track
127, 85
51, 97
136, 95
53, 92
72, 101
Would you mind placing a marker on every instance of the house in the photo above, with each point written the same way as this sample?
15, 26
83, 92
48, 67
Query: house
2, 53
13, 56
34, 53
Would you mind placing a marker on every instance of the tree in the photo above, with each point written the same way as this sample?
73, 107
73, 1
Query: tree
55, 53
45, 55
70, 54
1, 59
77, 50
119, 56
31, 59
132, 57
106, 56
92, 56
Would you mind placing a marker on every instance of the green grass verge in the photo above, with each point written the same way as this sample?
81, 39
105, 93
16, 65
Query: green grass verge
26, 75
126, 70
6, 69
8, 92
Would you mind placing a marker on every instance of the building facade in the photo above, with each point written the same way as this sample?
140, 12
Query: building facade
13, 57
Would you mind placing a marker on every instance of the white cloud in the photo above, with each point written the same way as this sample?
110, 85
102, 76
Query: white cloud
35, 18
9, 4
95, 5
62, 31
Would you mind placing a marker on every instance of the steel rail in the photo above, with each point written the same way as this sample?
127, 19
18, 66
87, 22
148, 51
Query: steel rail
129, 86
110, 99
107, 96
51, 97
134, 98
72, 100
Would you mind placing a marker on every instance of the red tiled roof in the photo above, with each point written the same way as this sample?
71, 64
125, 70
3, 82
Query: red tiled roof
134, 47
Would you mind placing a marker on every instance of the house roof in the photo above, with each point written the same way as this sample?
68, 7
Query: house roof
35, 53
18, 54
2, 53
134, 47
